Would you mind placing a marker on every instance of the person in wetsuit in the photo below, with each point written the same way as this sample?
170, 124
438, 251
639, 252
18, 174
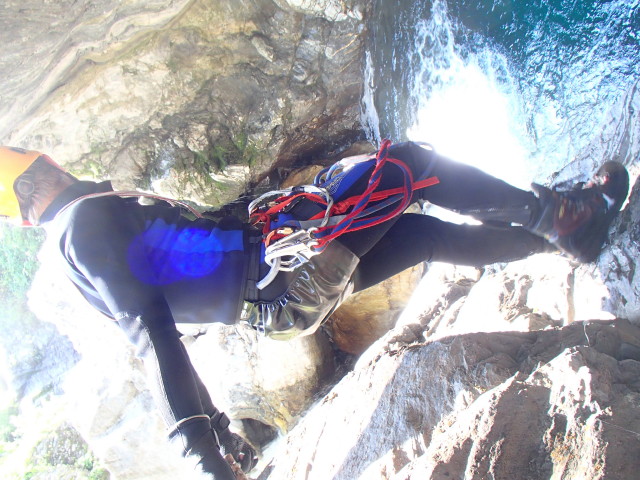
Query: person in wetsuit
148, 267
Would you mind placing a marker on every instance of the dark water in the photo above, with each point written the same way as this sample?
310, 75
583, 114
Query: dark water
510, 85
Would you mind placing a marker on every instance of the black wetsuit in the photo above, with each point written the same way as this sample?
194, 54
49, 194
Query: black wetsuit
409, 239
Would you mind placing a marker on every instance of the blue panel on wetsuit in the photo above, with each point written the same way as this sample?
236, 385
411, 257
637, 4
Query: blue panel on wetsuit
165, 253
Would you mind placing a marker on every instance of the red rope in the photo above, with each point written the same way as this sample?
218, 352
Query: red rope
351, 217
343, 206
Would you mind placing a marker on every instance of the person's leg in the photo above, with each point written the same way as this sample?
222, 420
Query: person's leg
461, 188
416, 238
466, 189
430, 240
576, 221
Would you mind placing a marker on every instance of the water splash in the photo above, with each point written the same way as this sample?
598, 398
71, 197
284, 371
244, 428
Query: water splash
519, 89
466, 101
369, 114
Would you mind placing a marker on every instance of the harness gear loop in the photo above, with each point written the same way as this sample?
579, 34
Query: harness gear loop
290, 242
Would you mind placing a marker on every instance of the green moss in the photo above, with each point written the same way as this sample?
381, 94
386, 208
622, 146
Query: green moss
236, 149
99, 474
247, 150
127, 70
195, 170
92, 165
219, 157
18, 260
90, 464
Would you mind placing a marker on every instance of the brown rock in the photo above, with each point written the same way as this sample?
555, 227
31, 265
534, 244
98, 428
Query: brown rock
368, 315
555, 403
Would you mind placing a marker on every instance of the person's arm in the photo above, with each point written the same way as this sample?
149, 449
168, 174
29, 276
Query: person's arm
103, 243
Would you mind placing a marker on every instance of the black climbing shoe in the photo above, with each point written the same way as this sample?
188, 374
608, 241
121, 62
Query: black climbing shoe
577, 221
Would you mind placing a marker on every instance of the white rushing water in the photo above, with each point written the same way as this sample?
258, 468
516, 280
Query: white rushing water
468, 108
521, 113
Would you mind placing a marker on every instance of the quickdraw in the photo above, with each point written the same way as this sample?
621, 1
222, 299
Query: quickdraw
291, 242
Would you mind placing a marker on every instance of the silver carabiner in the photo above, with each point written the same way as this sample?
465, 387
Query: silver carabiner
288, 254
258, 202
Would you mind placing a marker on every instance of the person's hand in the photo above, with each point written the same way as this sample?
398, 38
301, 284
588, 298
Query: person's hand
241, 451
232, 444
236, 468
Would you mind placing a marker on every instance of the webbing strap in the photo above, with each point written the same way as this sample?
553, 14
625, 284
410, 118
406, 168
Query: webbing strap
357, 220
129, 194
341, 207
354, 213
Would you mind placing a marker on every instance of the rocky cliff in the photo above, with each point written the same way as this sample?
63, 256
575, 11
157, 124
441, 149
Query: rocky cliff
526, 370
189, 97
544, 404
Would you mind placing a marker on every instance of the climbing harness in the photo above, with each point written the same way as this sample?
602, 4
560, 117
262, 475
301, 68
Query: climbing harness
290, 242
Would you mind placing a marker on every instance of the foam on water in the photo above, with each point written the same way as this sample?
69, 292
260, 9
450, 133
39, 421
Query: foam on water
517, 90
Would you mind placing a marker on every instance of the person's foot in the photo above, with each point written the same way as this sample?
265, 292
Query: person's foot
577, 221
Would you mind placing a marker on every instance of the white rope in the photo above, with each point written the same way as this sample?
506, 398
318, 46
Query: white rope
127, 194
176, 426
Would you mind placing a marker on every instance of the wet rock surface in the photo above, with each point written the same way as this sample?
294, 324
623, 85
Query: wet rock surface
508, 405
189, 98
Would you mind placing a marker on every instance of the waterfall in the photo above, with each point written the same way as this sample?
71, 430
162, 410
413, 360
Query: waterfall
518, 90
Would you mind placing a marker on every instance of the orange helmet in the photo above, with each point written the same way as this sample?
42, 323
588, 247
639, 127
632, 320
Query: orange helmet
13, 163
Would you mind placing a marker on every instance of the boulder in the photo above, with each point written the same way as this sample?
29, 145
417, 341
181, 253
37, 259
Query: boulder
544, 404
258, 381
368, 315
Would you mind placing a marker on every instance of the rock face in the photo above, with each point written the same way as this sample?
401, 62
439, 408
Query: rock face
546, 404
368, 315
35, 356
182, 97
106, 391
256, 379
613, 278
